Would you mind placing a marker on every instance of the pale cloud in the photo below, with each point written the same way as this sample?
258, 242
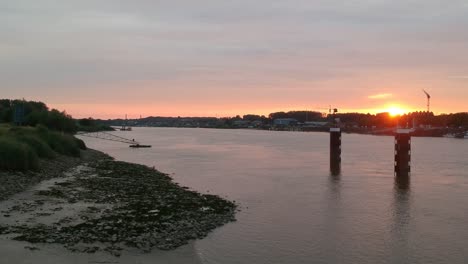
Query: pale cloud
380, 96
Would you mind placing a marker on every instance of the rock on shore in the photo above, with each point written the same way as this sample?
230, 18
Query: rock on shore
110, 205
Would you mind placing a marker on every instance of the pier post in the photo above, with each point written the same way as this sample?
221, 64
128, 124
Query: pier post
402, 153
335, 150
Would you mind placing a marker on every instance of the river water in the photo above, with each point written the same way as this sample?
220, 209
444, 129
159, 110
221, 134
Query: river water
294, 211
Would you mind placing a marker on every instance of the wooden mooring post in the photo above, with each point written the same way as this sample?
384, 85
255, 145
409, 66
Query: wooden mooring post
335, 150
402, 153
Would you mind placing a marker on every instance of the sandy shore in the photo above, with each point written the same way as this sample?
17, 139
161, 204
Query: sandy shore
113, 211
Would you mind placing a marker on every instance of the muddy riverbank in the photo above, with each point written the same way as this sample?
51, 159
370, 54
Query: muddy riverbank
103, 205
12, 182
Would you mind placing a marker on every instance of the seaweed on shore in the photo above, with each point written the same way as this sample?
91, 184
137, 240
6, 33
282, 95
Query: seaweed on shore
147, 210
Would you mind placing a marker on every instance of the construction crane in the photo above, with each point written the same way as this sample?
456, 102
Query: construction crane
428, 101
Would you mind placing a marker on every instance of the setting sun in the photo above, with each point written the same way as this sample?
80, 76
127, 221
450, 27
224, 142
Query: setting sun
395, 111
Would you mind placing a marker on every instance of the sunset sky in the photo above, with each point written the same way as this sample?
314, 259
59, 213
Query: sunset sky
108, 58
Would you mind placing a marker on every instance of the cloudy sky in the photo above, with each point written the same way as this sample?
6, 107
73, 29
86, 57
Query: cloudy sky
107, 58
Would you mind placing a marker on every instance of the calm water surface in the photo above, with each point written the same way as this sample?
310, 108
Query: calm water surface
294, 211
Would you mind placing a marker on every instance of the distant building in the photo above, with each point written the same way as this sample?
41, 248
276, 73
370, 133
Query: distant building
285, 122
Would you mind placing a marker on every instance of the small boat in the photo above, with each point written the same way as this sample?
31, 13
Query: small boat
140, 146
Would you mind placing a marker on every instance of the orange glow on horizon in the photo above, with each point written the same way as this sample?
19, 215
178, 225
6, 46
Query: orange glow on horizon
112, 111
395, 111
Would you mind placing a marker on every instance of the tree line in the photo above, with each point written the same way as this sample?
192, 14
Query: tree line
32, 113
38, 113
382, 120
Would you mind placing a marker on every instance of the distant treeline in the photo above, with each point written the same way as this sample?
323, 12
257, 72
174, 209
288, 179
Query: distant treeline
384, 120
91, 125
381, 120
300, 116
30, 113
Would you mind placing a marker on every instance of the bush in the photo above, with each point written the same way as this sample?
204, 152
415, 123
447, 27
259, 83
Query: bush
21, 147
62, 143
42, 131
38, 145
15, 155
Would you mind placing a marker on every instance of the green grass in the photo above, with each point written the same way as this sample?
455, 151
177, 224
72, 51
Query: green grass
21, 147
15, 155
41, 148
62, 143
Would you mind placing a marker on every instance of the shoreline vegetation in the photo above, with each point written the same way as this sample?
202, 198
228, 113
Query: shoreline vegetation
31, 132
32, 114
23, 148
105, 205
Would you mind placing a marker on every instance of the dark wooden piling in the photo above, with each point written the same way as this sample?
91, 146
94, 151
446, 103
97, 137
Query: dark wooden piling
335, 150
403, 153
